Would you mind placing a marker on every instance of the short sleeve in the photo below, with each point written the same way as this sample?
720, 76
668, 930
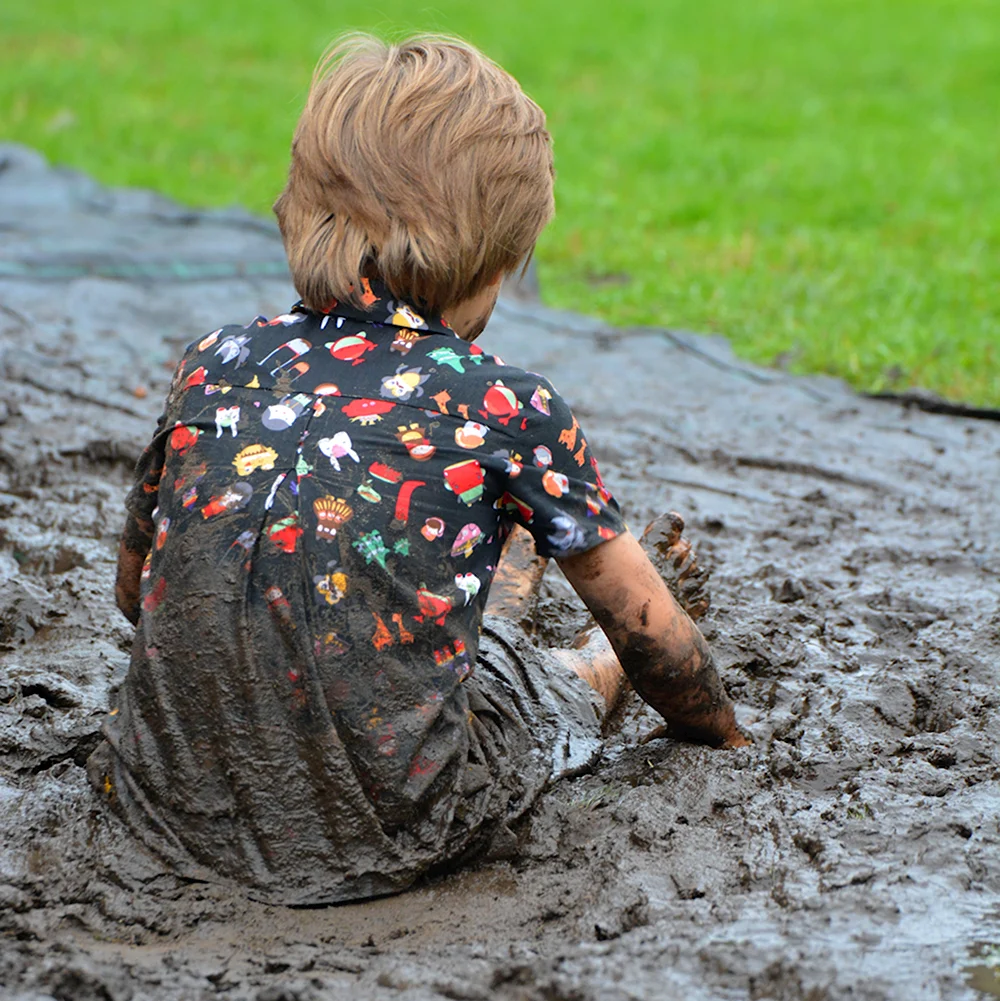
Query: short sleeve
555, 489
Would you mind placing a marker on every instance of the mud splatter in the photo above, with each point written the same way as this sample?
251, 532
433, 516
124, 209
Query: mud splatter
854, 851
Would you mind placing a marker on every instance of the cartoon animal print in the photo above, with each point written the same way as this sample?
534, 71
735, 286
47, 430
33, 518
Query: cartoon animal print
404, 316
468, 538
330, 586
557, 485
540, 400
283, 414
226, 417
472, 434
368, 297
372, 548
465, 479
286, 320
468, 583
512, 463
404, 340
279, 606
303, 468
365, 412
433, 529
235, 348
442, 399
231, 499
332, 513
455, 659
567, 535
433, 607
285, 532
501, 403
405, 636
208, 340
183, 438
414, 439
196, 378
567, 436
255, 456
514, 505
292, 351
405, 383
351, 348
382, 638
242, 546
448, 356
330, 643
337, 448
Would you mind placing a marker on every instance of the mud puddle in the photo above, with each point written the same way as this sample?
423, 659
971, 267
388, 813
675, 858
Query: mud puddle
854, 851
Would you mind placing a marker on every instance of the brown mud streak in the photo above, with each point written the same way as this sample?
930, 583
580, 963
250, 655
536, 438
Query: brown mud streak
852, 852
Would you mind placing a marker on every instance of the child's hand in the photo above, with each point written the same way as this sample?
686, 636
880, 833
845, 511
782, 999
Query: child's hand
677, 563
733, 737
721, 735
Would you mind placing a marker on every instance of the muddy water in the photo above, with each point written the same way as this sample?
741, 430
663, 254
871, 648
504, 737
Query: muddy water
854, 851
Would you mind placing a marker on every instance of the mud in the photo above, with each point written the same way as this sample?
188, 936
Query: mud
852, 852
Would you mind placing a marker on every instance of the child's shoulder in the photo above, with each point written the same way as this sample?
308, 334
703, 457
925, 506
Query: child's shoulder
219, 356
478, 385
235, 341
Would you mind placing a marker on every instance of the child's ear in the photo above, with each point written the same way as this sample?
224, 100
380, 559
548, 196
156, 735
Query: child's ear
497, 278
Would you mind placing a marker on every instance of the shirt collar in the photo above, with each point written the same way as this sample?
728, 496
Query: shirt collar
382, 308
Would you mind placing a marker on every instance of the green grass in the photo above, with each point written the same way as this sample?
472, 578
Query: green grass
815, 179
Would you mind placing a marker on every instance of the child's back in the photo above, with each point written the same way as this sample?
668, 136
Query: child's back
332, 501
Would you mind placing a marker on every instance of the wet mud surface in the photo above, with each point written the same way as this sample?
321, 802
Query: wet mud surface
852, 852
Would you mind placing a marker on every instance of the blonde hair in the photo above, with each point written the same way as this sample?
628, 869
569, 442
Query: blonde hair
423, 164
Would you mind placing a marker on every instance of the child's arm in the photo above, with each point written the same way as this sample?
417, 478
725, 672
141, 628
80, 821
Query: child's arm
137, 536
135, 543
661, 650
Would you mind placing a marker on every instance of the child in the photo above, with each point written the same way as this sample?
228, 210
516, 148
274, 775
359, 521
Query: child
316, 708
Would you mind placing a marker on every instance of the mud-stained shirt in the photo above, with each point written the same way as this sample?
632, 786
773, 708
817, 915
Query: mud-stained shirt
330, 493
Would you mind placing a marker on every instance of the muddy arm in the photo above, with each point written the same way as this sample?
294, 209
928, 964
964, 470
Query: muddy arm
132, 550
661, 650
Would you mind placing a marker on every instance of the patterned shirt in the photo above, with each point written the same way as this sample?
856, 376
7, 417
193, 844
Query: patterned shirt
330, 493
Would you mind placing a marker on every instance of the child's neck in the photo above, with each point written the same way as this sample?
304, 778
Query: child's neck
469, 317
